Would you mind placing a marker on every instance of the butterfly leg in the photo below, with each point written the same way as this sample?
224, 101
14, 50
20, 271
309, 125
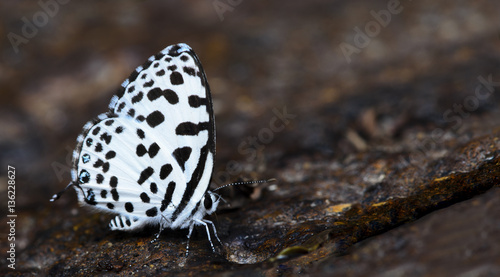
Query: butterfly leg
208, 232
161, 229
191, 227
215, 230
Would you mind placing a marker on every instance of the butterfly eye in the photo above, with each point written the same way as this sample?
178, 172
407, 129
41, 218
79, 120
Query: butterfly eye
208, 202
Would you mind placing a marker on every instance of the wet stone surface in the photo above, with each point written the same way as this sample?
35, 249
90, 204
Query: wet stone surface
387, 158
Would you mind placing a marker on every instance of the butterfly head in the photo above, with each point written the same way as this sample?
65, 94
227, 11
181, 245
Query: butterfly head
210, 202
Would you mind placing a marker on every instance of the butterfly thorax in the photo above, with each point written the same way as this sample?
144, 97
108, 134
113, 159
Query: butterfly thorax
207, 205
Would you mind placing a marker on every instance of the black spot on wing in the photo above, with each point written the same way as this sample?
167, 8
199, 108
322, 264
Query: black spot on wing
168, 196
113, 182
189, 70
98, 147
140, 133
149, 84
114, 194
152, 212
195, 101
99, 178
176, 78
141, 150
166, 169
145, 174
169, 95
101, 163
145, 197
84, 176
190, 128
90, 198
89, 142
96, 130
152, 151
155, 118
129, 207
120, 107
182, 155
106, 138
105, 167
98, 163
137, 98
111, 154
153, 188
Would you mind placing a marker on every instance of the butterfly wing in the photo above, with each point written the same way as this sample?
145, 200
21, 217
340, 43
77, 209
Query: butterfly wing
150, 158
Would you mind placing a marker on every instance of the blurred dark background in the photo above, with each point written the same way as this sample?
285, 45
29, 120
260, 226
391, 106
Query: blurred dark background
362, 81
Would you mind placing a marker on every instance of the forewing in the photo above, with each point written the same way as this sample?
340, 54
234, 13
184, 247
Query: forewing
170, 95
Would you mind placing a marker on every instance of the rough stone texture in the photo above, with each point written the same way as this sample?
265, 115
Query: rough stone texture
376, 164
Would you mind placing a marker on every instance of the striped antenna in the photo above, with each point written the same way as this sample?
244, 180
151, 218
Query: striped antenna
245, 183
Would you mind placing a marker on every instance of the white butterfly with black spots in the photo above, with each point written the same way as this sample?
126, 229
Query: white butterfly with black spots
150, 157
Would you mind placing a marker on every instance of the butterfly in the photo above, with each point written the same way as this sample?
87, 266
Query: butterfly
150, 158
